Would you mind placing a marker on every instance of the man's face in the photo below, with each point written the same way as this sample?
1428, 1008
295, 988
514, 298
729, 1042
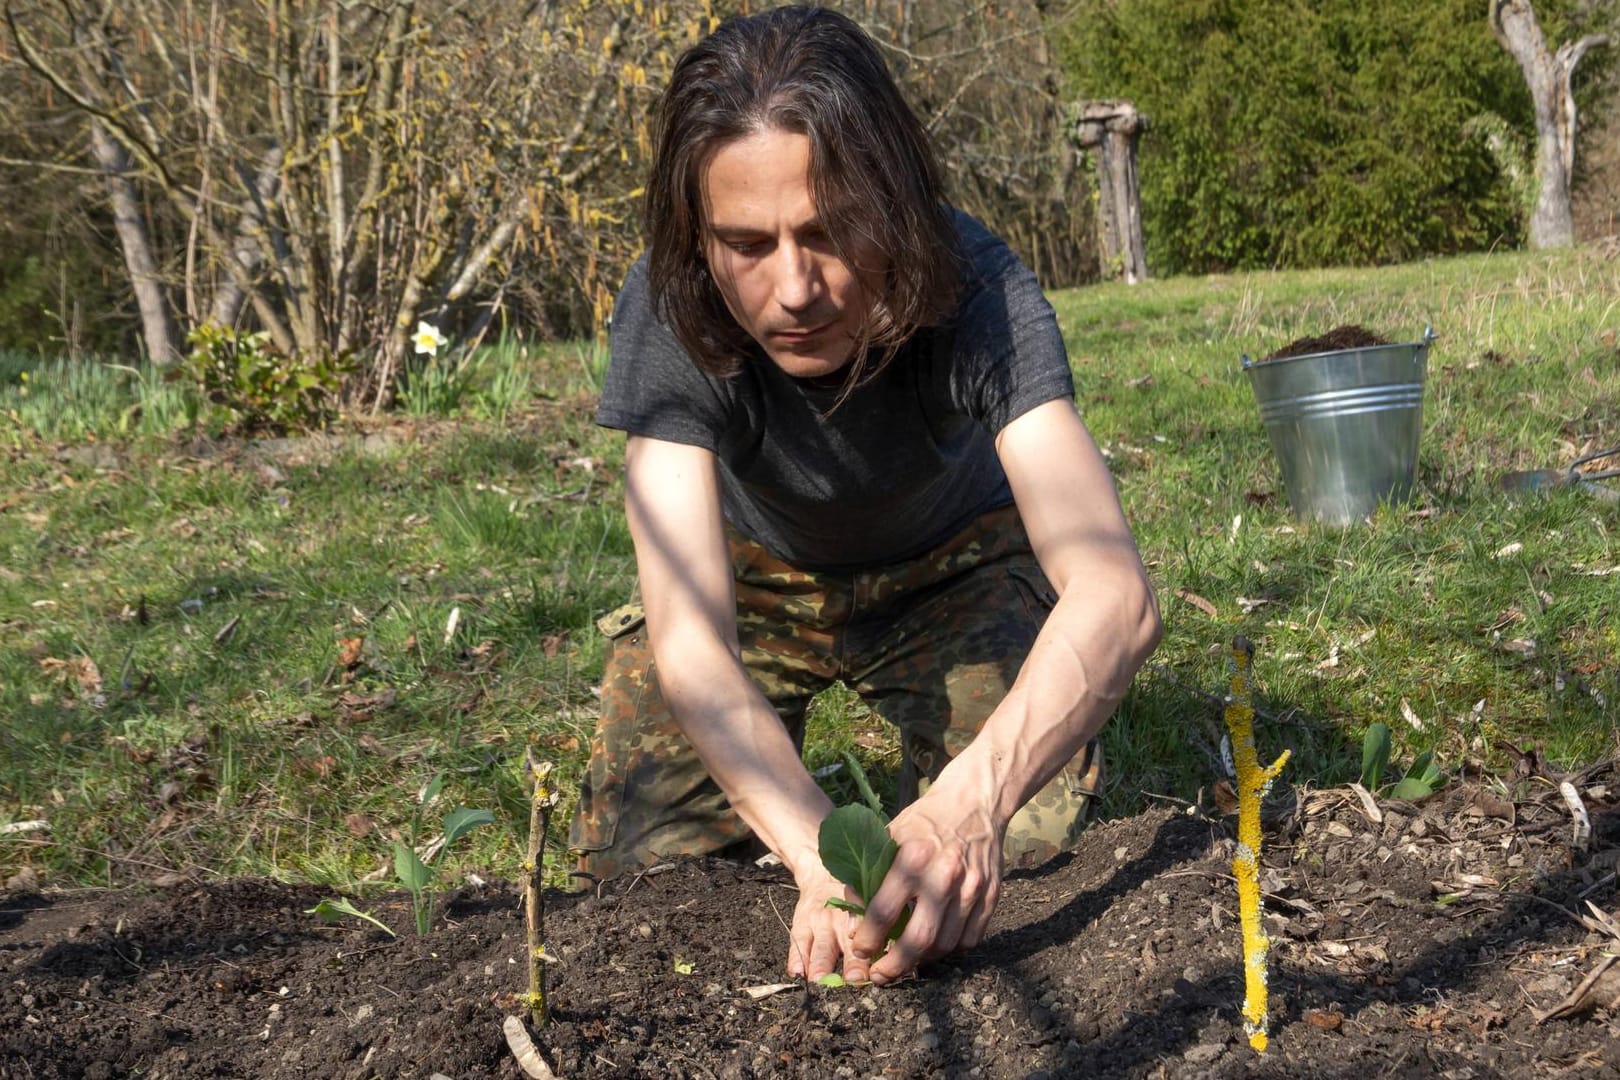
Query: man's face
772, 259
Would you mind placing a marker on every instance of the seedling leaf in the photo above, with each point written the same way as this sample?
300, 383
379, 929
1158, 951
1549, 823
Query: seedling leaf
845, 905
426, 796
683, 967
832, 980
331, 910
409, 868
1411, 788
1374, 754
856, 848
458, 823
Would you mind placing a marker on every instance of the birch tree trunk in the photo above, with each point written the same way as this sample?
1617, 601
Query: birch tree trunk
157, 328
1548, 75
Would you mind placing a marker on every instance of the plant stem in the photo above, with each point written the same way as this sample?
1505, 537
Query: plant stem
1252, 782
541, 804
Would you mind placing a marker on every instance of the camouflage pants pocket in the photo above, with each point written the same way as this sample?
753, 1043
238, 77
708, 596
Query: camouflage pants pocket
645, 795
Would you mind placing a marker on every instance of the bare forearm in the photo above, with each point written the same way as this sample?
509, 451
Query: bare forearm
1092, 645
743, 744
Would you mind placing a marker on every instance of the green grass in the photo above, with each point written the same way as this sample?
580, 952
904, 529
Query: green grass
230, 658
1525, 373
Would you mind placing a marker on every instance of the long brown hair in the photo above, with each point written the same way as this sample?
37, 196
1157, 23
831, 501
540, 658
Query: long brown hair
873, 175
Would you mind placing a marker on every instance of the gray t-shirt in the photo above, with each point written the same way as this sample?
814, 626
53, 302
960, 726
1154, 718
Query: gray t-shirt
903, 464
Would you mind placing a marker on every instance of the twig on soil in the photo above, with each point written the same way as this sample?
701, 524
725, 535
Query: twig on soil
1606, 879
1582, 838
541, 804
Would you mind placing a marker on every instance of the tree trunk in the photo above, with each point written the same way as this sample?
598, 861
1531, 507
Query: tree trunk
1548, 75
1112, 129
157, 328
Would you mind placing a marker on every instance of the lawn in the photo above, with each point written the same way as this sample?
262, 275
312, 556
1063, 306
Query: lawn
221, 657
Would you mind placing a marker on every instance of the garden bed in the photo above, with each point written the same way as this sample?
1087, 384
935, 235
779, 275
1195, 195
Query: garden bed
1429, 942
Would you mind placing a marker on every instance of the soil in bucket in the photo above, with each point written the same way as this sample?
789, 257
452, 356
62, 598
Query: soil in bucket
1339, 338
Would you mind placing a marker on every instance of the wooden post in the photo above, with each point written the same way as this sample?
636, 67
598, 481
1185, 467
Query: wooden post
1111, 130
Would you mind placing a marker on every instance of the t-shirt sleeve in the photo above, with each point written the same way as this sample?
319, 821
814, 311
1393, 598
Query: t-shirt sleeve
652, 386
1010, 352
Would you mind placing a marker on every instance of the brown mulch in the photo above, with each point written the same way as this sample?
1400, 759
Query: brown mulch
1427, 943
1340, 337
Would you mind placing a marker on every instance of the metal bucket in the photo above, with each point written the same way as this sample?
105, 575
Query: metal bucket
1344, 425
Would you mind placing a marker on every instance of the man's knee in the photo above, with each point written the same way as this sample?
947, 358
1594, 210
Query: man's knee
1053, 820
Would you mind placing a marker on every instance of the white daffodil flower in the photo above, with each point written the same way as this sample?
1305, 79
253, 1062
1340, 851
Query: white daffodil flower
428, 339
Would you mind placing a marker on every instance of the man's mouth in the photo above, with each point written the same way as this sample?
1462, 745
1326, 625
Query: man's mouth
798, 337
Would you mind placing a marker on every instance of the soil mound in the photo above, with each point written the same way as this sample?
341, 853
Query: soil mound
1340, 337
1415, 939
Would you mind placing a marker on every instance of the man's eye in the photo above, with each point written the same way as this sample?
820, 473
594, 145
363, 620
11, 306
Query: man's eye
746, 247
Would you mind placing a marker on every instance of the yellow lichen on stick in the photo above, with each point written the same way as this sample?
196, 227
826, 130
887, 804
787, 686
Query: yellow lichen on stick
1252, 783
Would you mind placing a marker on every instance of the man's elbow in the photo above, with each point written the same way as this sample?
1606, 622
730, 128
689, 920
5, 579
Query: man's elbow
1145, 624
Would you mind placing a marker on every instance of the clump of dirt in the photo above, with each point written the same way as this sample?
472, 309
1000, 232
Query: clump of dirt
1427, 939
1340, 337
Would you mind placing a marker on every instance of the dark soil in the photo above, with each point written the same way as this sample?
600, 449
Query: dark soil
1426, 944
1340, 337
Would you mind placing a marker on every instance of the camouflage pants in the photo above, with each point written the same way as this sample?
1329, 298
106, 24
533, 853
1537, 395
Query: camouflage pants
931, 645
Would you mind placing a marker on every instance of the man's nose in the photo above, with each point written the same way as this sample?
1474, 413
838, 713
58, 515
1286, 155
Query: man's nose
798, 277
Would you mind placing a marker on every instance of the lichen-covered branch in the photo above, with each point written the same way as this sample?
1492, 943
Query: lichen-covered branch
1252, 784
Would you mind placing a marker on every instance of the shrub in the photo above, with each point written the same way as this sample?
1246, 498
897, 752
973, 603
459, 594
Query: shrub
1306, 132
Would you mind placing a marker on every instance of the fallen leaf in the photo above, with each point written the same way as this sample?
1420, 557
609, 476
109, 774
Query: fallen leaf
1410, 716
523, 1049
1509, 549
451, 623
349, 650
359, 825
551, 643
765, 990
1198, 602
1324, 1019
81, 670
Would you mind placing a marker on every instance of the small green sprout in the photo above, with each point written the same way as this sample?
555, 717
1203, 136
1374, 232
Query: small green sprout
856, 848
330, 911
413, 871
1423, 779
417, 874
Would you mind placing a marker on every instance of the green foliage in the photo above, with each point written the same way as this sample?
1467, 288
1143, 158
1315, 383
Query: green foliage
86, 398
334, 908
416, 873
1306, 132
246, 384
488, 383
1423, 779
856, 848
1375, 745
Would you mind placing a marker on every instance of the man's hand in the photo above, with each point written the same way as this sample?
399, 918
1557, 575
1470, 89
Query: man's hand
949, 867
820, 935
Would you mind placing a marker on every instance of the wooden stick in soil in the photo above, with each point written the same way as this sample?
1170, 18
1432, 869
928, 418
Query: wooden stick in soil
543, 801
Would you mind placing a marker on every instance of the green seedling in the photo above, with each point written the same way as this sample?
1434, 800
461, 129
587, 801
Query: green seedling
856, 848
1423, 779
330, 911
416, 873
